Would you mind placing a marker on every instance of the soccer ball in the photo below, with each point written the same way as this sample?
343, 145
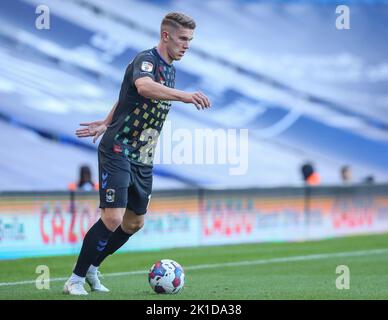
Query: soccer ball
166, 276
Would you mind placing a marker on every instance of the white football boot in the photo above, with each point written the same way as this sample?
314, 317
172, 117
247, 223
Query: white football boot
75, 288
92, 279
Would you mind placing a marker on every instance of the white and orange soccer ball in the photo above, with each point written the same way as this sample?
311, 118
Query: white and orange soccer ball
166, 276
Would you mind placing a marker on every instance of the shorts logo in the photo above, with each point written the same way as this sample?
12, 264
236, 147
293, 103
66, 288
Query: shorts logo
104, 177
147, 66
110, 195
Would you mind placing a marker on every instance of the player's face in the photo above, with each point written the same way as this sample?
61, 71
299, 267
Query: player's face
179, 42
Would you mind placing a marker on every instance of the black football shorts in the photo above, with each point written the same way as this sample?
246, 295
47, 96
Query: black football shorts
123, 184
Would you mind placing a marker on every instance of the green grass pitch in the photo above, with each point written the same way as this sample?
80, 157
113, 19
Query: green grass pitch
302, 270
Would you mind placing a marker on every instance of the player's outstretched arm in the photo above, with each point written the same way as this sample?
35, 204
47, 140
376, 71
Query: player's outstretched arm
96, 128
151, 89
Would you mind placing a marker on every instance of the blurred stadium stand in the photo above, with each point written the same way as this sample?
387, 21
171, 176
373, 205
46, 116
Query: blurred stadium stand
305, 90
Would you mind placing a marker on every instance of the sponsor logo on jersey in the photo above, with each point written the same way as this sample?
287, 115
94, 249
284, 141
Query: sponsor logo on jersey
164, 105
117, 148
147, 66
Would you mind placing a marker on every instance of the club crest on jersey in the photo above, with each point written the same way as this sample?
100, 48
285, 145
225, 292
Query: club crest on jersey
110, 195
147, 66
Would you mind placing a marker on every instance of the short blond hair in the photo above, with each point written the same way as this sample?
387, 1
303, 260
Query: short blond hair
176, 20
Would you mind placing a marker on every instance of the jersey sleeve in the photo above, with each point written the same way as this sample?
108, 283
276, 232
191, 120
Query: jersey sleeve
144, 65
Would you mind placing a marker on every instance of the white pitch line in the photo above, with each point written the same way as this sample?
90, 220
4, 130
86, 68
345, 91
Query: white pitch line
231, 264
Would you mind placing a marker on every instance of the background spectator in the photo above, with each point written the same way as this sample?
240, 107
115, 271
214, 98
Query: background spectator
346, 174
310, 176
85, 181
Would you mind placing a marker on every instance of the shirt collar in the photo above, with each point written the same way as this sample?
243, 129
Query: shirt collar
161, 58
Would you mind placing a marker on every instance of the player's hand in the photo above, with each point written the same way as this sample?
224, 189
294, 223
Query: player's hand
94, 129
198, 99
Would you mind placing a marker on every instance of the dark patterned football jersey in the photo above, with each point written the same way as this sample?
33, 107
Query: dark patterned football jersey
137, 121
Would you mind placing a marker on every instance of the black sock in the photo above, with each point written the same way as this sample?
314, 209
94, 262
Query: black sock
115, 242
94, 242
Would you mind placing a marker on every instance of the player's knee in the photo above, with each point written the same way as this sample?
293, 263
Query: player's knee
132, 227
112, 221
